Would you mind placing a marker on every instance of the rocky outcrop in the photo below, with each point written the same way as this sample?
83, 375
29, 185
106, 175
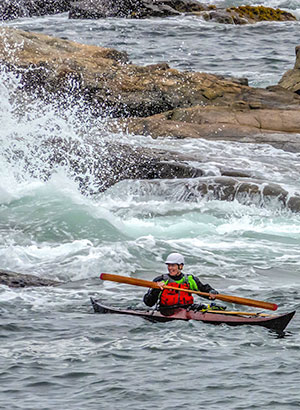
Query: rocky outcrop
19, 280
247, 15
156, 99
108, 164
291, 79
134, 8
12, 9
268, 126
102, 78
94, 9
225, 188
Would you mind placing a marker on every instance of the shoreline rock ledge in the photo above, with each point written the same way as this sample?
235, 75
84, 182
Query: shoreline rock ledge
138, 9
156, 100
153, 100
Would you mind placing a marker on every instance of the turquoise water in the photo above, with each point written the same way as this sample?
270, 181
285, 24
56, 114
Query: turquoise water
55, 352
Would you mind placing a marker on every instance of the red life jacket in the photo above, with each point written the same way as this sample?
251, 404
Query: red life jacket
171, 297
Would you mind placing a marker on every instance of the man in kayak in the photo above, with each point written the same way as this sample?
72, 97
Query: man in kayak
175, 278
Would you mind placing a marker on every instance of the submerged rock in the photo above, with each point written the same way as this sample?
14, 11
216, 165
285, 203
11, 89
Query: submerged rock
19, 280
225, 188
108, 164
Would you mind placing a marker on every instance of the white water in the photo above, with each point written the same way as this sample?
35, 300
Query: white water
49, 221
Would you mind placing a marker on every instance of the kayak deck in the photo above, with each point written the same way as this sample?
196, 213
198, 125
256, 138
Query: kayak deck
274, 322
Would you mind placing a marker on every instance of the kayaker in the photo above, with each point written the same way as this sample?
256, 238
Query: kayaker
175, 277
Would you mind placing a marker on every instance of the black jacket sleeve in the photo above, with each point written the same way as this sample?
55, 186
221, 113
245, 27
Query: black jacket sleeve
151, 297
204, 288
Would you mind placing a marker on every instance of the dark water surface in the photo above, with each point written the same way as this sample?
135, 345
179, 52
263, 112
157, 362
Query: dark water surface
65, 356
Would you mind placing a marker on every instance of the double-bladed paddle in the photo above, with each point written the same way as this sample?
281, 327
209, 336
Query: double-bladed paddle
154, 285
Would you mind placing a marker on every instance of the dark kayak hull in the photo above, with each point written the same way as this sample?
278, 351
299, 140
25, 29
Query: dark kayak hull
274, 322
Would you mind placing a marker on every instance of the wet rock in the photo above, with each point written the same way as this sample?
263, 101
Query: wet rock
255, 14
156, 99
224, 17
293, 203
222, 188
12, 9
228, 189
291, 79
133, 8
167, 8
109, 164
19, 280
267, 126
95, 9
102, 78
247, 15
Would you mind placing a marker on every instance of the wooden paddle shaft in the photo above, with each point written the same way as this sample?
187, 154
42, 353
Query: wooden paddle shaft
154, 285
229, 312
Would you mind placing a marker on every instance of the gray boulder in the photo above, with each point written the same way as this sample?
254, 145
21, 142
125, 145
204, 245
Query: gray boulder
19, 280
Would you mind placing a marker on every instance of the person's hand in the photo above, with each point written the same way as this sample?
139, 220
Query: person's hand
161, 284
212, 294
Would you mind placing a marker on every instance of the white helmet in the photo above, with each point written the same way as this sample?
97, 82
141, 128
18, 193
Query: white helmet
175, 258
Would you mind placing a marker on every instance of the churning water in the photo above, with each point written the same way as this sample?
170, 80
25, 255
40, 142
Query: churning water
54, 352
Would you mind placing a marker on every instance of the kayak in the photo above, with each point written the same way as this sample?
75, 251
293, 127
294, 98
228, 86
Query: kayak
274, 322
